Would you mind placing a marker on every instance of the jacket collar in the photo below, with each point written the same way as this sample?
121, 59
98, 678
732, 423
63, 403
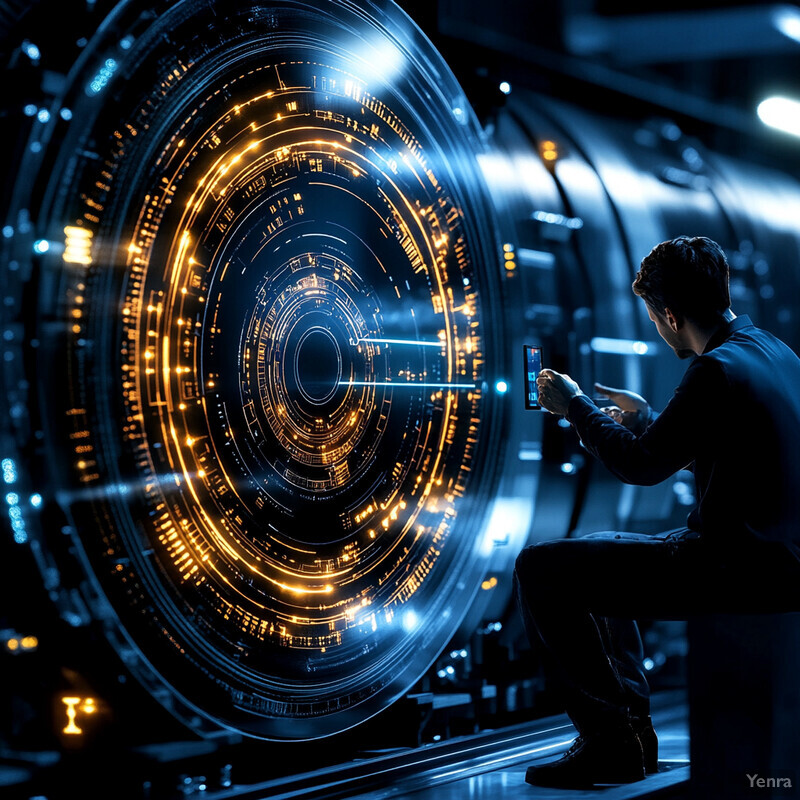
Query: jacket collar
726, 331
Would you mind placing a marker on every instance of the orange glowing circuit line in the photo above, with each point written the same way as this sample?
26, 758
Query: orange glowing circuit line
225, 546
223, 542
451, 402
170, 405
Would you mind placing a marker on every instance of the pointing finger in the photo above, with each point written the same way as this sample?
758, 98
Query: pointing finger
607, 390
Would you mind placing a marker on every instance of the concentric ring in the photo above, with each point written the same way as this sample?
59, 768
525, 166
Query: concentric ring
285, 435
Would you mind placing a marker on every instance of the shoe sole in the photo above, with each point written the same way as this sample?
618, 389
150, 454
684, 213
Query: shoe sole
535, 777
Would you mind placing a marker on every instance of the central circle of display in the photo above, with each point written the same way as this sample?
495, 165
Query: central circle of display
299, 360
318, 365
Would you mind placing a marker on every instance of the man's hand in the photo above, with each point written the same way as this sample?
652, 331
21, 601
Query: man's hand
630, 409
556, 390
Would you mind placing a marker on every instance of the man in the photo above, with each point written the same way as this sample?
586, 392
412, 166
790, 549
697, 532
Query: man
735, 420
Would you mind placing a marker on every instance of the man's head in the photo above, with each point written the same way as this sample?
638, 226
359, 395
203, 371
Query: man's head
688, 276
684, 280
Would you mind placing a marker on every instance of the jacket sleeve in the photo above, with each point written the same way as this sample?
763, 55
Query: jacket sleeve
672, 438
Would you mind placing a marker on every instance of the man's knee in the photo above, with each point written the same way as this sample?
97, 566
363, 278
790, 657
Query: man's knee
603, 535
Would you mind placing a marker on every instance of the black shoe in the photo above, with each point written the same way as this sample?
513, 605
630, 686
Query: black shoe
649, 741
612, 757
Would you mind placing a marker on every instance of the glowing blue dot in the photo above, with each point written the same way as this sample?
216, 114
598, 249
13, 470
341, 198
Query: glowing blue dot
8, 231
65, 113
567, 468
12, 498
463, 654
126, 43
36, 500
441, 673
640, 348
505, 87
36, 147
101, 79
20, 537
450, 670
43, 115
410, 621
501, 387
9, 470
648, 663
41, 246
30, 110
32, 51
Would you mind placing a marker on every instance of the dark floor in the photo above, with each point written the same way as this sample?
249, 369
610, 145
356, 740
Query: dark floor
502, 776
489, 765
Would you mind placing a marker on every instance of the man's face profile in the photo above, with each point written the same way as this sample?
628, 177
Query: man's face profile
671, 337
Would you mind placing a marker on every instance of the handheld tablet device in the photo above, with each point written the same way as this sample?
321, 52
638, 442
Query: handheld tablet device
533, 366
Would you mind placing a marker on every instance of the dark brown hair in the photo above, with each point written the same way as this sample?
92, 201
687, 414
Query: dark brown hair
687, 275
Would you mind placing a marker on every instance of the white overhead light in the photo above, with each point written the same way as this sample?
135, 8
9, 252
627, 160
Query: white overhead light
787, 20
781, 113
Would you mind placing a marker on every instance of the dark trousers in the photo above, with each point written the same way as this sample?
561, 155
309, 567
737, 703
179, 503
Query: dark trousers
581, 598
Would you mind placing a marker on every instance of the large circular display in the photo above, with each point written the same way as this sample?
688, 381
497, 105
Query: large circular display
278, 268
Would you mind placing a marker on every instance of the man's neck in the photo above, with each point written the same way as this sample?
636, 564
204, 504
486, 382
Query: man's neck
698, 337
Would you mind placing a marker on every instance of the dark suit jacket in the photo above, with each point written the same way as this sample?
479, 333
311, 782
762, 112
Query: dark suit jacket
735, 420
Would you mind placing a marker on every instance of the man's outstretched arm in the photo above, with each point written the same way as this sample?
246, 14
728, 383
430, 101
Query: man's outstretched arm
668, 444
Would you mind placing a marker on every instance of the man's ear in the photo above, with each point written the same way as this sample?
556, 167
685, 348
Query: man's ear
675, 321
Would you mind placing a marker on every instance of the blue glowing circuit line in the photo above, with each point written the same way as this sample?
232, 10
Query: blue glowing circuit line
411, 385
404, 341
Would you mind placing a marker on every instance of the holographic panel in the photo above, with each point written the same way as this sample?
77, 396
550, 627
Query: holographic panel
533, 366
278, 272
